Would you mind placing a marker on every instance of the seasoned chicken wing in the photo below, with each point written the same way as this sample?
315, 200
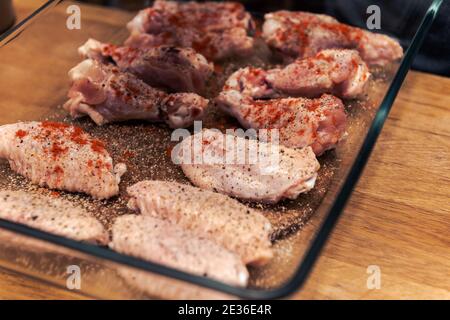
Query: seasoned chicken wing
177, 69
51, 215
162, 242
236, 227
60, 156
319, 123
246, 168
107, 94
337, 71
303, 34
215, 29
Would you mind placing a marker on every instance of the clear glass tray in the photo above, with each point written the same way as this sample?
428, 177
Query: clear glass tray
35, 58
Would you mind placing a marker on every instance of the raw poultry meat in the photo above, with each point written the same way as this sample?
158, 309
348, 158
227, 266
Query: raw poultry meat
162, 242
236, 227
301, 34
246, 168
337, 71
107, 94
60, 156
176, 69
51, 215
300, 122
215, 29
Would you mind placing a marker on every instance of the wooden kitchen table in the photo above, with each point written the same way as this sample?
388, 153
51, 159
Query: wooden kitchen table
397, 219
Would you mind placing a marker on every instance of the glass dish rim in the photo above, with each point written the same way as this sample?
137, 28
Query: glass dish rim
321, 236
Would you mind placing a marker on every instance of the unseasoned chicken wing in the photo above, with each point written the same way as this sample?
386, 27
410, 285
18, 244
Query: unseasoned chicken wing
303, 34
300, 122
178, 69
60, 156
51, 215
236, 227
216, 30
245, 168
162, 242
107, 94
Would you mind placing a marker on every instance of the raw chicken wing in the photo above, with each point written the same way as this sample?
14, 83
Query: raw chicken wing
60, 156
107, 94
236, 227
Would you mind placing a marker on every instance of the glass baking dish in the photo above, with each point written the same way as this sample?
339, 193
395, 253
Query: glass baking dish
35, 58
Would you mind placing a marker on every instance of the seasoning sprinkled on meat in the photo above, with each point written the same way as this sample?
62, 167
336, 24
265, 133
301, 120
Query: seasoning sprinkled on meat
300, 122
217, 30
177, 69
236, 227
163, 242
107, 94
337, 71
60, 156
246, 168
51, 215
301, 34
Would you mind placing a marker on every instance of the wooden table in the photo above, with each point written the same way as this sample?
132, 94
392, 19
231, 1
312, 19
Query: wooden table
398, 217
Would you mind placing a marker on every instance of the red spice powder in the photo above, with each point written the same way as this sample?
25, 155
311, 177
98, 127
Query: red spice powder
57, 150
97, 146
54, 125
21, 134
78, 136
58, 170
55, 194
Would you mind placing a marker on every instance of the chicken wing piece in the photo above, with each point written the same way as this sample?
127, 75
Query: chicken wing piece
337, 71
60, 156
107, 94
300, 122
216, 30
246, 168
177, 69
162, 242
236, 227
302, 34
52, 215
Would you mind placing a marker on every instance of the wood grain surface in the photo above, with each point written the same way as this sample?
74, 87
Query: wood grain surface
398, 217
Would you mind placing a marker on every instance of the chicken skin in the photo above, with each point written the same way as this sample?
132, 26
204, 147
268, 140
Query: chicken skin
176, 69
319, 123
302, 34
340, 72
60, 156
236, 227
162, 242
246, 168
217, 30
107, 94
52, 215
